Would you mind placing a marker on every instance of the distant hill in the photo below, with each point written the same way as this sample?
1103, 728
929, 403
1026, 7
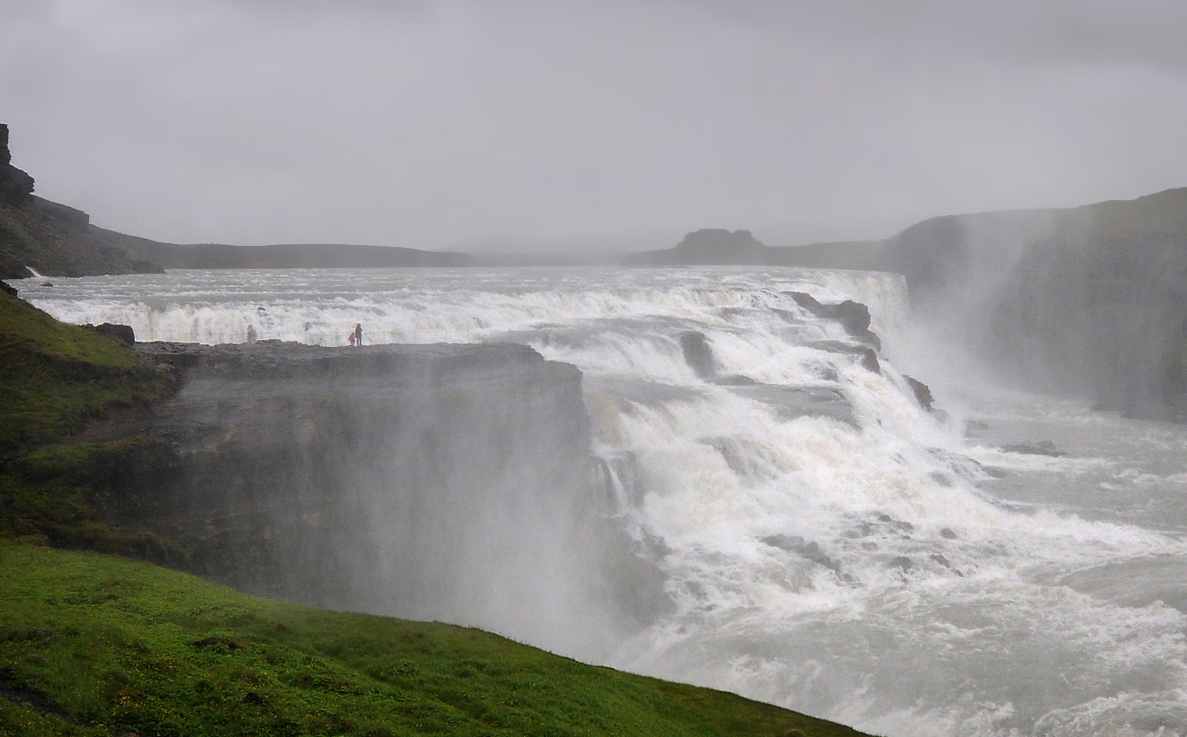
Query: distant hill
56, 240
1089, 300
281, 256
722, 247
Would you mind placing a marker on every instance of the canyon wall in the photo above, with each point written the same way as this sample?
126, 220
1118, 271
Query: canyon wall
436, 482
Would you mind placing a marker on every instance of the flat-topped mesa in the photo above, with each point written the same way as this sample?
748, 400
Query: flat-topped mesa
719, 246
709, 246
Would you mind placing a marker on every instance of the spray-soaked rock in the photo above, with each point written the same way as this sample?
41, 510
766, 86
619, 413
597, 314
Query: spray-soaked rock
426, 481
698, 355
869, 361
809, 550
922, 393
853, 316
792, 402
1041, 448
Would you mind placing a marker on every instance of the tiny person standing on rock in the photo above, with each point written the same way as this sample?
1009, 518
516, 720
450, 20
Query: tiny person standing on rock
351, 338
358, 334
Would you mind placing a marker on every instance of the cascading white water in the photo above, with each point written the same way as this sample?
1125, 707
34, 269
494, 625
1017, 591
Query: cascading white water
828, 544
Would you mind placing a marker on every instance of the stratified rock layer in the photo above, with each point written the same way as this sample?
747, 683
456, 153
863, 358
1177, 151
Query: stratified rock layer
385, 478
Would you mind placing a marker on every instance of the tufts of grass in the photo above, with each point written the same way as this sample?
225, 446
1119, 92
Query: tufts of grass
94, 644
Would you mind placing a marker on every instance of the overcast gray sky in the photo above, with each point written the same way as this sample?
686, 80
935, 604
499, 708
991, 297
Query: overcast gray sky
426, 124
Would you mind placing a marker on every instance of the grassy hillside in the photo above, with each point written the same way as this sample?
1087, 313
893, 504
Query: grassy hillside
59, 241
55, 377
91, 644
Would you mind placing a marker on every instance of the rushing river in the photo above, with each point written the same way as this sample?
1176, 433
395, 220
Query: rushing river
828, 545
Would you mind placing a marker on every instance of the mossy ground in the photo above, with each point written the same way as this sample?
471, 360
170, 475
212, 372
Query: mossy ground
94, 644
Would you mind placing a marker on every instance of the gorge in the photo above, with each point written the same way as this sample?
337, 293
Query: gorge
719, 474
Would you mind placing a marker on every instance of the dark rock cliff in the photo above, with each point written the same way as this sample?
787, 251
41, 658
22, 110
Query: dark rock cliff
16, 186
1087, 301
424, 481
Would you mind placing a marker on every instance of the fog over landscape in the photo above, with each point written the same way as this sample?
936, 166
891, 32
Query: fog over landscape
827, 354
582, 125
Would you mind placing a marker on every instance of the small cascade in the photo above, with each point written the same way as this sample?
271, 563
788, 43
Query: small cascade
615, 483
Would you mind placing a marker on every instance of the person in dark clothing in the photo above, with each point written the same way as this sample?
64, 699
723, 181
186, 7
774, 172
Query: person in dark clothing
358, 334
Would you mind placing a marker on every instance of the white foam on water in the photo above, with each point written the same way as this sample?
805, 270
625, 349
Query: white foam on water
829, 545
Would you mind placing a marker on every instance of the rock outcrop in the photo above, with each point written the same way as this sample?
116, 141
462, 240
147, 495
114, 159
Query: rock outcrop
698, 355
853, 316
16, 186
120, 333
396, 479
922, 393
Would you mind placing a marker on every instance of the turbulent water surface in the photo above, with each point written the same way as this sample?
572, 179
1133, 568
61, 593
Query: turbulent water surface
828, 545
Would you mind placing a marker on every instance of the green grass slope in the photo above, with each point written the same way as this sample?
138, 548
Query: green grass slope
59, 241
55, 377
93, 644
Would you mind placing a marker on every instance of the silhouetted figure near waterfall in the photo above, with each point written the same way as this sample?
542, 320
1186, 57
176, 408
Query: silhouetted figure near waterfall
358, 334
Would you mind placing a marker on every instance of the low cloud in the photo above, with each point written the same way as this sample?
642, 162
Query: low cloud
425, 124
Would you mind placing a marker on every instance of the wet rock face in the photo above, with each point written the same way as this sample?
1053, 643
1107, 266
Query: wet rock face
122, 333
380, 478
853, 316
922, 393
698, 355
1041, 448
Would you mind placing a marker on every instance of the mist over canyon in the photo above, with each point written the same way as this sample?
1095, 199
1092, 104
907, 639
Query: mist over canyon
930, 484
741, 488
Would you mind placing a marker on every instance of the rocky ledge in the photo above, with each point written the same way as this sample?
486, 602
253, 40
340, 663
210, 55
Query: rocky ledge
340, 476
